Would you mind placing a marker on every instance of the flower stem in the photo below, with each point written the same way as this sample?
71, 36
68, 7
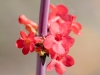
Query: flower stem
43, 21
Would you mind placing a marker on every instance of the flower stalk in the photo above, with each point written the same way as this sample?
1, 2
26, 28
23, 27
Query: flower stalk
43, 21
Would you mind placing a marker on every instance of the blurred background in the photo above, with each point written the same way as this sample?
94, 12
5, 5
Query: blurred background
85, 51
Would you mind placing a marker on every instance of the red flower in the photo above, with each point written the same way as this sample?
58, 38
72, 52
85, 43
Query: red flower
58, 39
62, 16
26, 42
60, 63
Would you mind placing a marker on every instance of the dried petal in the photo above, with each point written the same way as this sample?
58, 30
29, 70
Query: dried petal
29, 28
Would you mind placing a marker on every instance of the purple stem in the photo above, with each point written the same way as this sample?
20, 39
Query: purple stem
43, 21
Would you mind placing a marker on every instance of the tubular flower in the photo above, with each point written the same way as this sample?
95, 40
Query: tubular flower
29, 25
26, 42
60, 63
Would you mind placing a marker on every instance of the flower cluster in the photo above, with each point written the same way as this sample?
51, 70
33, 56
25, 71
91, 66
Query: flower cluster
57, 42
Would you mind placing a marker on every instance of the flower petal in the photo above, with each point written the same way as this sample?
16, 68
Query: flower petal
23, 35
68, 61
48, 42
31, 47
58, 48
51, 17
67, 42
60, 68
54, 19
25, 50
75, 30
62, 10
54, 28
76, 27
64, 28
68, 18
52, 53
51, 65
20, 43
53, 12
53, 9
31, 36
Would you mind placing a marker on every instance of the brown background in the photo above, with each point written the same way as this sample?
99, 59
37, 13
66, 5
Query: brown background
85, 51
